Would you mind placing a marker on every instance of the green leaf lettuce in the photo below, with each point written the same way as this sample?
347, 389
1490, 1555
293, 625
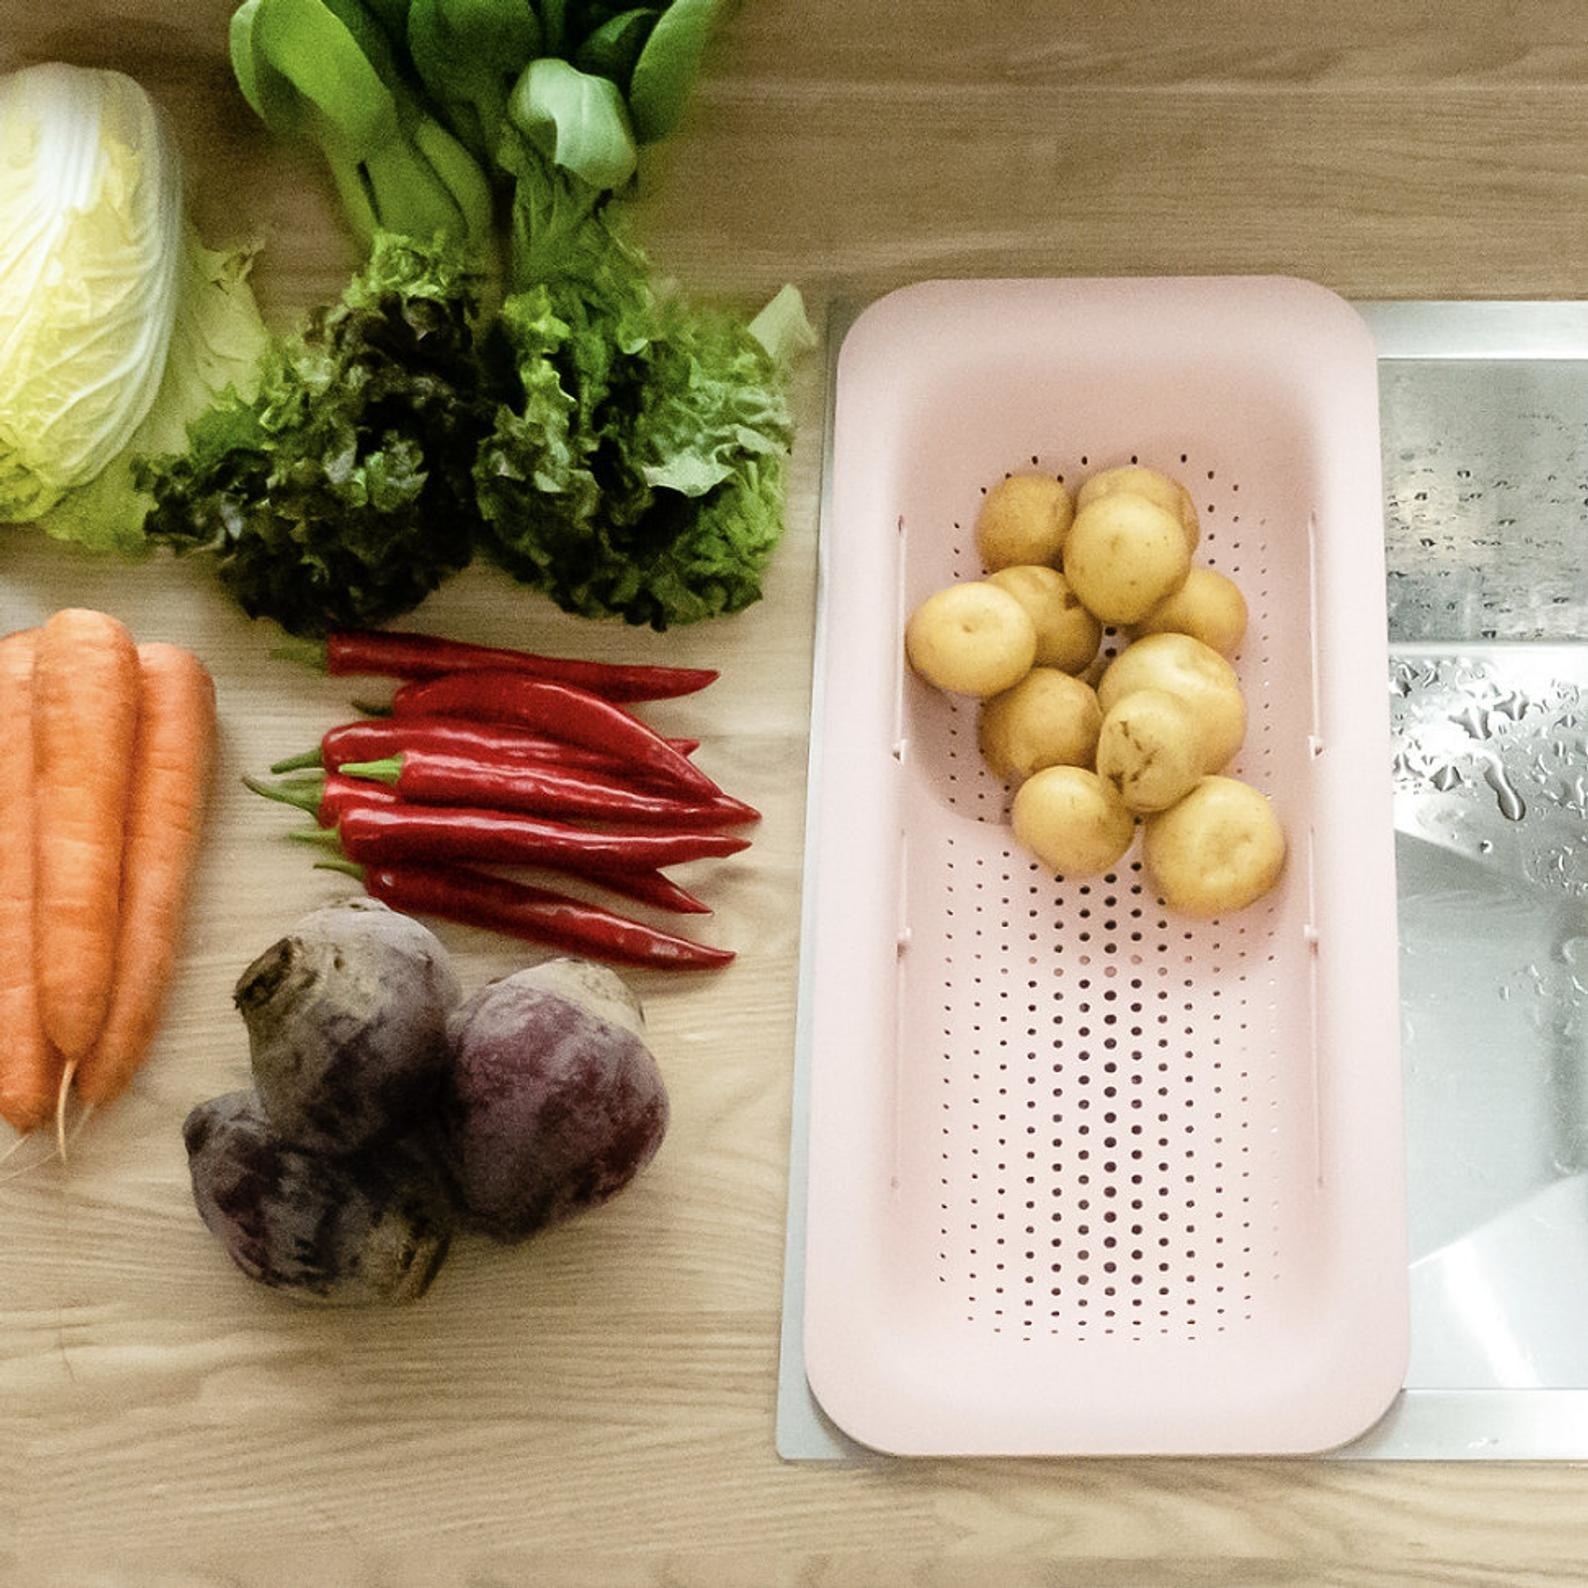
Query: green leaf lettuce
639, 471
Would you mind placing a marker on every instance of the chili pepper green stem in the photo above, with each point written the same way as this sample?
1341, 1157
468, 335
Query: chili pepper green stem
304, 793
348, 868
320, 837
387, 771
309, 760
311, 653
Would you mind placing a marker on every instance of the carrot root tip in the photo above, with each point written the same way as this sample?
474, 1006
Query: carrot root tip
60, 1108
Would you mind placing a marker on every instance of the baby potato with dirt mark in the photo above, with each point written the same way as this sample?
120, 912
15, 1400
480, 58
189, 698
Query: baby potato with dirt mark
1196, 675
1150, 748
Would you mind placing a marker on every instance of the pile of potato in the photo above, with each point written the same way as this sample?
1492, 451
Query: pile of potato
1095, 746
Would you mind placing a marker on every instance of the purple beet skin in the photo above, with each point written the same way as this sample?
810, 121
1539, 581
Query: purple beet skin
550, 1108
347, 1230
347, 1026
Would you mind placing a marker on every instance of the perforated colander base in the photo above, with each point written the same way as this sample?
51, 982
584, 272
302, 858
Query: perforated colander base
1101, 1070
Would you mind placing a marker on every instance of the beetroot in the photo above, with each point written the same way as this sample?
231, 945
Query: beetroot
550, 1107
344, 1230
597, 988
346, 1021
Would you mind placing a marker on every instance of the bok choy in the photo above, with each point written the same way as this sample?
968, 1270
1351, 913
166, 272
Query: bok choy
421, 107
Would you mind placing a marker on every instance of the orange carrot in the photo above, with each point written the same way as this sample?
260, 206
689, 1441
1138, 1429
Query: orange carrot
29, 1068
172, 765
85, 716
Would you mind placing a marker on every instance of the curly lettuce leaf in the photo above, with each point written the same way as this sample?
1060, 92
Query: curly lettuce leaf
640, 471
341, 493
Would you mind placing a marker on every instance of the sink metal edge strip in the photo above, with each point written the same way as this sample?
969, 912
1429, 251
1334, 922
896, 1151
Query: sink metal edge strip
1520, 329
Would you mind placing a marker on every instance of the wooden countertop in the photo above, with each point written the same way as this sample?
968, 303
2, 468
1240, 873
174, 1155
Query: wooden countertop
596, 1409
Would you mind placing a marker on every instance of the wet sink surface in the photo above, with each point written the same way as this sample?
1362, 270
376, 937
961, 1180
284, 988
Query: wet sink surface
1493, 883
1486, 497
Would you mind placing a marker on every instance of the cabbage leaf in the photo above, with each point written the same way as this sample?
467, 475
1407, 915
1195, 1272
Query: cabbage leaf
90, 266
216, 347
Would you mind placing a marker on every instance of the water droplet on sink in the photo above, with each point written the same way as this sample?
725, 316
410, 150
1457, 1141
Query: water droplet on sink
1485, 846
1510, 802
1474, 719
1446, 778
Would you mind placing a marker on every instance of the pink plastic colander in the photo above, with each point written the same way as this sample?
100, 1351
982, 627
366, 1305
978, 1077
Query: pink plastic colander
1086, 1177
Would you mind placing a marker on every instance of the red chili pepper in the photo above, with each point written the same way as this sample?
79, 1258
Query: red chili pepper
389, 655
429, 778
574, 715
390, 834
648, 887
474, 898
372, 739
327, 798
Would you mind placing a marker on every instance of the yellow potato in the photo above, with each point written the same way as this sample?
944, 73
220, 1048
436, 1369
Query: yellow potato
971, 639
1072, 821
1216, 851
1158, 488
1067, 634
1024, 520
1123, 555
1047, 719
1207, 606
1196, 674
1150, 748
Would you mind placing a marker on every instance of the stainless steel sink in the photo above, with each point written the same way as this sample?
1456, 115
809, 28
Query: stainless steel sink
1485, 427
1485, 422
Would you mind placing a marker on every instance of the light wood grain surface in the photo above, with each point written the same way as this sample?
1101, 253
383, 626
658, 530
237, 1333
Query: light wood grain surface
596, 1409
